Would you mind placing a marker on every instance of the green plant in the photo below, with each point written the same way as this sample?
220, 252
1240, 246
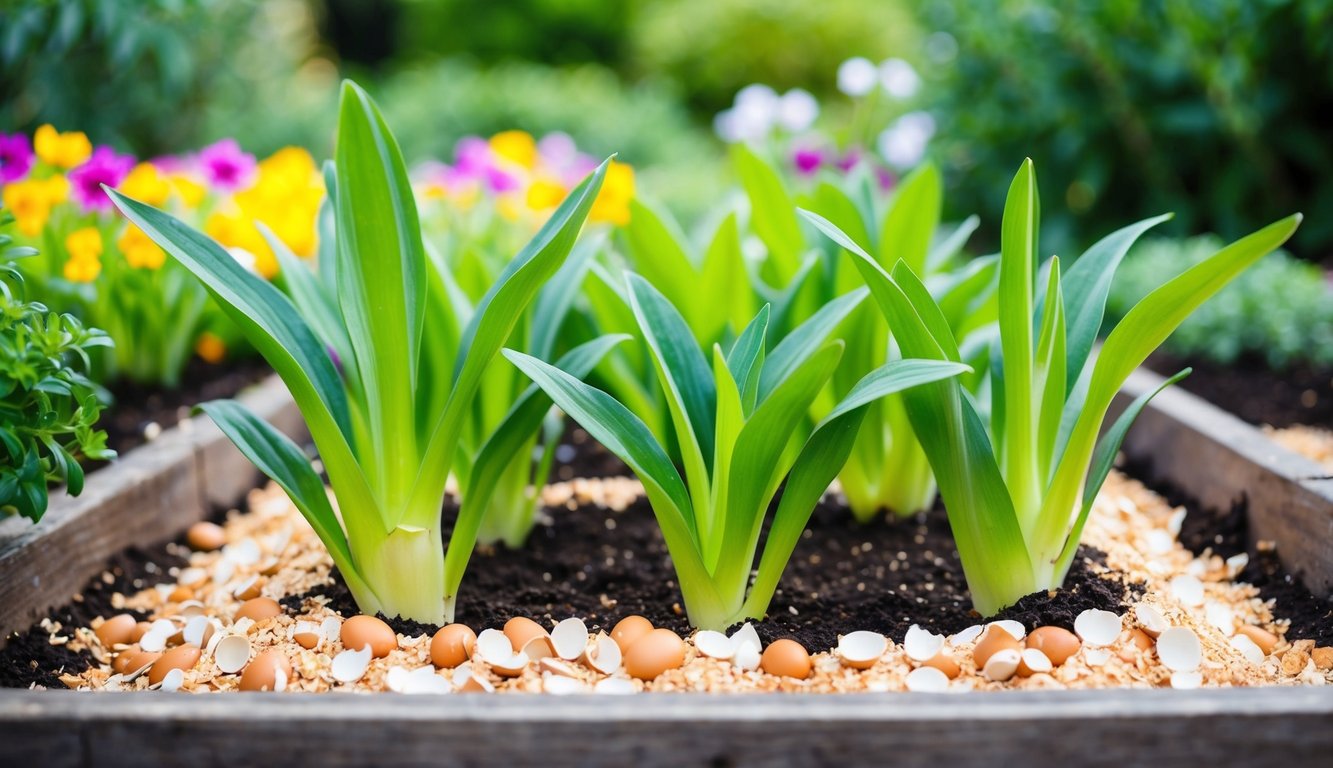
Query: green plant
1019, 489
1280, 311
738, 423
48, 407
389, 426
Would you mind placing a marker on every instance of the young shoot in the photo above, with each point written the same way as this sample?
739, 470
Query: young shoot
1018, 489
384, 372
739, 422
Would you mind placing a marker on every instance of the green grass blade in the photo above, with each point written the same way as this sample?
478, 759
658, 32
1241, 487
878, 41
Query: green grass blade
894, 376
1017, 443
730, 421
1050, 373
724, 284
745, 360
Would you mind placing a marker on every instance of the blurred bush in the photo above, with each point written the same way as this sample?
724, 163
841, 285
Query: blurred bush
712, 48
1279, 311
553, 32
1214, 109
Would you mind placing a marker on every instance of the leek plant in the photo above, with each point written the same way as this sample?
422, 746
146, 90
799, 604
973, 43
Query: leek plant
737, 422
1018, 489
384, 371
888, 469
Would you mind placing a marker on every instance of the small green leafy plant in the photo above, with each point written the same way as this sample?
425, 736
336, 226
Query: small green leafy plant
389, 417
48, 407
739, 423
1018, 489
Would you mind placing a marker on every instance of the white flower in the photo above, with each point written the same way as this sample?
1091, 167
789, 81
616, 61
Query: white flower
797, 110
899, 78
857, 76
752, 117
903, 143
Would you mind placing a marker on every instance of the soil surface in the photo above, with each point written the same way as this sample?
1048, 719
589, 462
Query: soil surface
1300, 395
136, 406
602, 565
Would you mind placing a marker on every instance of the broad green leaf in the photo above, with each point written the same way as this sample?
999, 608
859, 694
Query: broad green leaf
772, 213
493, 321
797, 347
928, 310
724, 293
894, 376
913, 217
1017, 444
1049, 378
1141, 331
730, 421
1086, 285
746, 359
657, 248
554, 300
381, 286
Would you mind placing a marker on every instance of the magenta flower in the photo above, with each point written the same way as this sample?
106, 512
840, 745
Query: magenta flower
15, 157
850, 160
807, 160
500, 182
225, 166
104, 167
472, 156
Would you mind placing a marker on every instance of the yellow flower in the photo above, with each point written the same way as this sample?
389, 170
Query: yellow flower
56, 189
612, 203
146, 184
84, 244
509, 207
211, 348
286, 197
139, 251
517, 147
238, 231
63, 150
544, 194
30, 202
190, 191
85, 249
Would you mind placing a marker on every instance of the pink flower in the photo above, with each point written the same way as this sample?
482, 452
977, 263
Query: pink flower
807, 160
225, 166
104, 167
15, 157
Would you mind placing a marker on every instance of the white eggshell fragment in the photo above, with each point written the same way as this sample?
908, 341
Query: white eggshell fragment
922, 645
155, 639
605, 656
746, 635
927, 680
1097, 627
1248, 648
1012, 627
614, 686
1221, 616
198, 630
1036, 661
349, 666
232, 654
714, 645
747, 657
1179, 649
967, 635
554, 666
1188, 590
561, 686
172, 680
861, 649
493, 645
1151, 619
1096, 657
423, 680
1002, 665
570, 638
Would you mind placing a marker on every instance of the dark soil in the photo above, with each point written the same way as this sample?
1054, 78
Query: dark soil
603, 565
1300, 395
136, 406
29, 658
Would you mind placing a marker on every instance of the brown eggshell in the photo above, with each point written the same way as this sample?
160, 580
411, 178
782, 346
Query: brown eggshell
654, 653
258, 609
140, 630
252, 590
1263, 638
452, 646
995, 639
180, 595
1141, 640
1056, 642
116, 630
629, 629
786, 658
259, 674
520, 630
182, 657
132, 659
944, 663
360, 631
205, 536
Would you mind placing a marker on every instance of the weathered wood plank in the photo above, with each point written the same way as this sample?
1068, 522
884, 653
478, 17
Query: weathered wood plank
1252, 727
148, 496
1220, 460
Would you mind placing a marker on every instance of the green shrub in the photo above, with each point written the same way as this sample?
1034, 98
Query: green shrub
1280, 310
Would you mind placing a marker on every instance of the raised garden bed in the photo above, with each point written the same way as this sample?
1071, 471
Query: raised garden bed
1180, 444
